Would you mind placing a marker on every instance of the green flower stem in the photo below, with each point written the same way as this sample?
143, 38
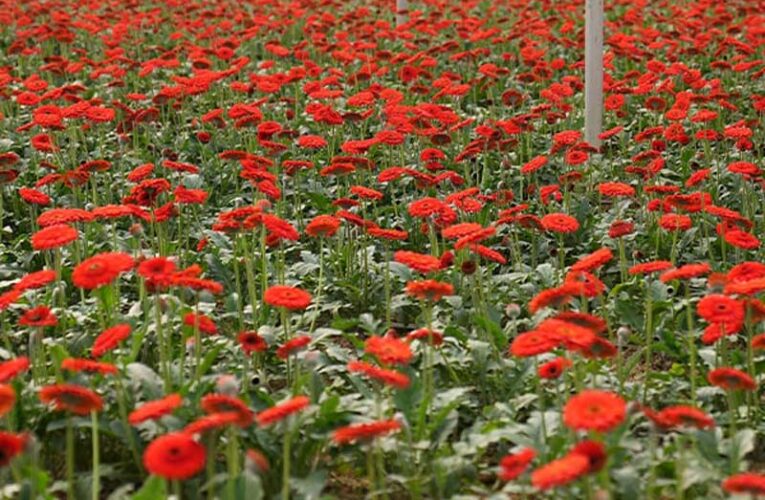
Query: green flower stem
162, 343
648, 339
122, 408
70, 459
320, 286
691, 341
388, 312
232, 461
197, 346
96, 486
286, 461
250, 274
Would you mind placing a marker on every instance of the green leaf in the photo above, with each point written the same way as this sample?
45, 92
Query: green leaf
209, 359
310, 487
743, 442
249, 486
153, 489
147, 378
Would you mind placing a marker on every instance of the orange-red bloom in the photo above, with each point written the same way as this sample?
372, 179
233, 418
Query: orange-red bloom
594, 410
388, 350
512, 466
288, 297
282, 410
72, 398
174, 456
364, 431
153, 410
731, 379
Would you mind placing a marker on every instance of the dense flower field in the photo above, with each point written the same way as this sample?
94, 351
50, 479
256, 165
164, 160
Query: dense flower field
272, 249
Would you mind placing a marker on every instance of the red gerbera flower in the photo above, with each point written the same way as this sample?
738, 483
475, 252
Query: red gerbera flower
153, 410
512, 466
35, 280
561, 471
256, 461
556, 297
426, 207
417, 261
387, 377
685, 272
616, 189
101, 269
292, 346
157, 271
73, 398
553, 369
731, 379
88, 365
11, 445
594, 410
13, 368
388, 350
532, 343
595, 453
741, 239
34, 196
679, 416
364, 431
323, 226
288, 297
222, 403
429, 290
559, 223
593, 260
38, 316
202, 322
282, 410
174, 456
720, 309
746, 482
675, 222
650, 267
252, 342
211, 422
53, 237
7, 398
109, 339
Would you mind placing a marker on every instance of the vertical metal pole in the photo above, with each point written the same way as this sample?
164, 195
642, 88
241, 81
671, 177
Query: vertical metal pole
593, 71
402, 12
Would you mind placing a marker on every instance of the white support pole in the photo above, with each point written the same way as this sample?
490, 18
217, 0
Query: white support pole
402, 12
593, 71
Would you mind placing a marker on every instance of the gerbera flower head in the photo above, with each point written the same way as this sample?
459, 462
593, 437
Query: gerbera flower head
54, 236
109, 339
388, 350
746, 482
11, 445
154, 410
561, 471
719, 308
731, 379
72, 398
512, 466
222, 403
282, 410
595, 410
364, 431
101, 269
174, 456
559, 223
288, 297
430, 290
